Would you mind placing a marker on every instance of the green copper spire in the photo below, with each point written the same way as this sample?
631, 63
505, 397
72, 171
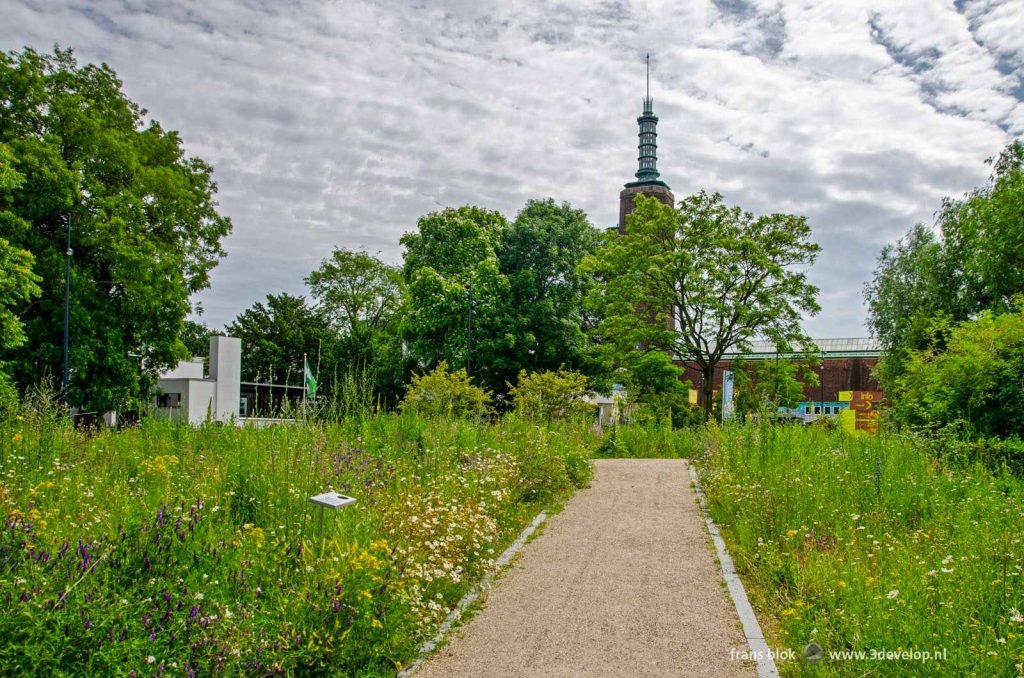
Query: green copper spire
648, 122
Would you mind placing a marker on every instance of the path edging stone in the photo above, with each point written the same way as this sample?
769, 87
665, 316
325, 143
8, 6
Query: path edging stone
751, 628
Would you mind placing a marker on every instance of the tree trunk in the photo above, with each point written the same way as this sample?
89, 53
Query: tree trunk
708, 387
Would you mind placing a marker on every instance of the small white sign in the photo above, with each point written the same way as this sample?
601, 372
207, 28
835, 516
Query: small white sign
332, 500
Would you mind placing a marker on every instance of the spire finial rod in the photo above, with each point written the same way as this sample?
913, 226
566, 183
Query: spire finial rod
648, 75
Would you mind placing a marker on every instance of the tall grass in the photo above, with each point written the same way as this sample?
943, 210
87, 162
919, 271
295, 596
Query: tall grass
194, 551
870, 544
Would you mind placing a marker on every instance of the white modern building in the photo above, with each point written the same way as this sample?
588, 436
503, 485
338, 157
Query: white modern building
186, 393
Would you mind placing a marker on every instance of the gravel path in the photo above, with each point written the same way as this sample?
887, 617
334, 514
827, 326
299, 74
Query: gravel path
621, 583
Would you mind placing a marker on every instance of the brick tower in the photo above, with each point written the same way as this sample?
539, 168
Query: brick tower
647, 174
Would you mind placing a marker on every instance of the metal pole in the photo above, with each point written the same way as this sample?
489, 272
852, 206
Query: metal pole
67, 315
822, 403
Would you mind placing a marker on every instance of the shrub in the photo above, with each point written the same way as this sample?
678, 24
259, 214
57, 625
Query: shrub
975, 380
551, 395
445, 393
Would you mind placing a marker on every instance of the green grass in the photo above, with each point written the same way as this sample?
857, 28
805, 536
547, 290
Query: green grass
650, 440
870, 544
196, 550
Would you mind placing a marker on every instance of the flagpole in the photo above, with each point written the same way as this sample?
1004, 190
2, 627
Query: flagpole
305, 386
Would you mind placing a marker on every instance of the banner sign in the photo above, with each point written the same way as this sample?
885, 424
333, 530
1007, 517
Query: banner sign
728, 381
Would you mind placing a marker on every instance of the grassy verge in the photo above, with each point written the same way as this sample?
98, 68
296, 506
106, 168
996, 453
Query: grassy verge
868, 544
191, 551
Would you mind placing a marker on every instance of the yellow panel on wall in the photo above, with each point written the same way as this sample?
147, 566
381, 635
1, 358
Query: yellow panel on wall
693, 396
848, 419
845, 396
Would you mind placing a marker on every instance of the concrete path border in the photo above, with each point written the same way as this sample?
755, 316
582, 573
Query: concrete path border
751, 628
471, 596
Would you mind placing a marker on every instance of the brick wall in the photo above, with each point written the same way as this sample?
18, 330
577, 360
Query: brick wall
841, 374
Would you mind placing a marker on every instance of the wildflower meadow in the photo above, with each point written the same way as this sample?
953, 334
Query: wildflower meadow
171, 550
888, 544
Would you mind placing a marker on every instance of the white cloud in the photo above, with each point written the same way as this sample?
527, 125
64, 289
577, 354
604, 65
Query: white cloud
342, 123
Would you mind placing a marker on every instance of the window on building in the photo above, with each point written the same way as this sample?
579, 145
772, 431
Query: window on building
168, 400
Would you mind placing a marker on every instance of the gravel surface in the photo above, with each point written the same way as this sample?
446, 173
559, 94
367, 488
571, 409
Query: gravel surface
621, 583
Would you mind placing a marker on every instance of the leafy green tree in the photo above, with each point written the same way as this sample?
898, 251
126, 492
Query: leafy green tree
972, 261
984, 236
912, 284
704, 278
551, 395
18, 284
976, 379
522, 280
362, 299
451, 268
654, 383
274, 337
540, 254
444, 393
770, 384
146, 231
196, 338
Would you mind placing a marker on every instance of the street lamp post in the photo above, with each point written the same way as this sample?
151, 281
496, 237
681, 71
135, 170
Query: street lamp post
67, 314
822, 384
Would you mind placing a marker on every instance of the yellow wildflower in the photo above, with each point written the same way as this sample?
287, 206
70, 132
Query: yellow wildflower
16, 438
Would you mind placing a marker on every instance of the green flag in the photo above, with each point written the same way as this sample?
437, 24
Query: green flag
310, 381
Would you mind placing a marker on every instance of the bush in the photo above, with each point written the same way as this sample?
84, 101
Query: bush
976, 380
653, 383
551, 395
445, 393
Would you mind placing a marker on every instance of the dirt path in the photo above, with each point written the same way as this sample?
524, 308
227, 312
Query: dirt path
621, 583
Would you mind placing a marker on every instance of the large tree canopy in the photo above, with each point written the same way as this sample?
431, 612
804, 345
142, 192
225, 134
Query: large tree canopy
362, 299
971, 262
704, 278
18, 283
451, 266
521, 282
146, 232
540, 254
275, 336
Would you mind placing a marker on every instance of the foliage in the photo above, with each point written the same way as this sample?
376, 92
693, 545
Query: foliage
18, 283
540, 253
651, 439
654, 383
701, 279
521, 282
551, 395
443, 393
970, 263
196, 338
767, 385
195, 551
450, 267
146, 231
361, 298
274, 337
865, 543
975, 380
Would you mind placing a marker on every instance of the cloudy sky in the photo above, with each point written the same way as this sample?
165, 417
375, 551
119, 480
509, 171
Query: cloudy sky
340, 123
